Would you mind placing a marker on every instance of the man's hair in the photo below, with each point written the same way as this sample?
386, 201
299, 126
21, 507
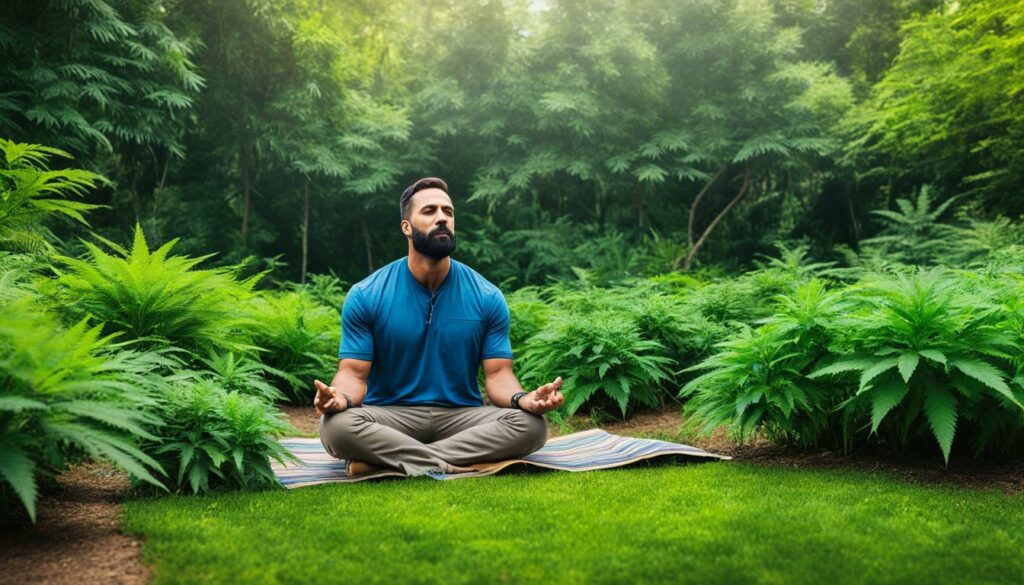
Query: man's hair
424, 183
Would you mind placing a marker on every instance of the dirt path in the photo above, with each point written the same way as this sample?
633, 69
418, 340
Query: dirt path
76, 539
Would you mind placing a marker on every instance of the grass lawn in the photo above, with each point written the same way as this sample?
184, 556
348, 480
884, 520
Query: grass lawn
708, 523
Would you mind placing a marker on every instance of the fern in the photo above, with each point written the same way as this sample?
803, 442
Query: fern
158, 298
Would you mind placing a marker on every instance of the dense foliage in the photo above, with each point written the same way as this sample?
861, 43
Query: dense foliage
798, 218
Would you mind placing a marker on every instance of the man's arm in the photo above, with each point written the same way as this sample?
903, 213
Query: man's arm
350, 379
501, 385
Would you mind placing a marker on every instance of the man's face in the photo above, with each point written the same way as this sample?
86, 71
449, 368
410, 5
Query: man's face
432, 224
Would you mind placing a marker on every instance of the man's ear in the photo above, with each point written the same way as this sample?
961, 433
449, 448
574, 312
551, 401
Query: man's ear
406, 228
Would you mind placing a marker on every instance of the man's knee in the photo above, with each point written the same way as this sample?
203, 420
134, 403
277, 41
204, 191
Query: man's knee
532, 428
338, 432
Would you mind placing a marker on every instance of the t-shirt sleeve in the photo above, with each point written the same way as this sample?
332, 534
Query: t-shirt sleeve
356, 328
496, 341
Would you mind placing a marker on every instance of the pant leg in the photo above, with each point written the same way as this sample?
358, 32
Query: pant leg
391, 436
486, 433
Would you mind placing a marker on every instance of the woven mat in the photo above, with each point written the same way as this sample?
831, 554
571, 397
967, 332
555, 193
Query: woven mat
585, 451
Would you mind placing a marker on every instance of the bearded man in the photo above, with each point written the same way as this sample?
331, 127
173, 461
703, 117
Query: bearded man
414, 333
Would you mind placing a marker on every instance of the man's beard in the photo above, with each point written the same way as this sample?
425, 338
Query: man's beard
431, 246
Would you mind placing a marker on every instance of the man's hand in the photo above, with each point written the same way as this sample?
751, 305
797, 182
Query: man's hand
544, 399
326, 401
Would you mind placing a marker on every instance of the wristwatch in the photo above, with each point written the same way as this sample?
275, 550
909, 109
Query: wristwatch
516, 398
348, 400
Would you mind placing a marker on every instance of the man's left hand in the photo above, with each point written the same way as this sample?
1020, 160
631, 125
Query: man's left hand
544, 399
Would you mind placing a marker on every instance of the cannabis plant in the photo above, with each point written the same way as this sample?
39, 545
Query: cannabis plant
241, 374
297, 340
757, 382
213, 438
597, 352
914, 234
30, 192
157, 298
71, 393
930, 359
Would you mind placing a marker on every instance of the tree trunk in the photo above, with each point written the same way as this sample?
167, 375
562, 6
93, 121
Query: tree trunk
246, 194
158, 196
714, 223
696, 202
369, 248
305, 232
640, 204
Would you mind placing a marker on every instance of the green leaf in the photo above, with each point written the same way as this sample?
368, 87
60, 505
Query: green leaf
934, 355
18, 470
940, 411
874, 371
886, 397
907, 364
987, 374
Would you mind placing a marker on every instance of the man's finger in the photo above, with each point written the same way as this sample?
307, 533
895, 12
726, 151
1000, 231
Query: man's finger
558, 383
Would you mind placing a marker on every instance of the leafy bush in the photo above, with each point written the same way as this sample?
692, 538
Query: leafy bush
602, 351
29, 192
757, 381
241, 374
156, 298
928, 352
298, 339
70, 393
213, 438
529, 314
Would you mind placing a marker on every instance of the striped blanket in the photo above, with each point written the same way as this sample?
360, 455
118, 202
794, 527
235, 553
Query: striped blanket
586, 451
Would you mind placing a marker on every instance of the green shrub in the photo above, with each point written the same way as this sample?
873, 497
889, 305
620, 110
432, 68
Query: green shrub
298, 339
156, 298
213, 438
757, 381
241, 374
70, 393
592, 352
931, 359
529, 314
29, 192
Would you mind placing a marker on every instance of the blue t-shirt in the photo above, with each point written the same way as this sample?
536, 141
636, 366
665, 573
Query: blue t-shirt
384, 321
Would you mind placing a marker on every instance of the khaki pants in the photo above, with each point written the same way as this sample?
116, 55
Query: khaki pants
420, 439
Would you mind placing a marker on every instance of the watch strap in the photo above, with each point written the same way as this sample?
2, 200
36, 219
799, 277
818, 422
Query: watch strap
516, 398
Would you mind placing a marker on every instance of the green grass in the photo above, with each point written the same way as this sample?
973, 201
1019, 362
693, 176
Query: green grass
712, 523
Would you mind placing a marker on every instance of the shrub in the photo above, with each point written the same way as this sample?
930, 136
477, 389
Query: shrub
757, 381
70, 393
241, 374
298, 340
928, 350
156, 298
592, 352
29, 192
213, 438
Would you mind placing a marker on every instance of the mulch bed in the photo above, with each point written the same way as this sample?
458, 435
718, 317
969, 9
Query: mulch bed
77, 539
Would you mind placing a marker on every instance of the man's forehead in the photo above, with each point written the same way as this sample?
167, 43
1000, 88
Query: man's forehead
431, 196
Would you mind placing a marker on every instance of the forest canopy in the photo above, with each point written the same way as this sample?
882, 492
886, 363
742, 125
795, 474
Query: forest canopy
616, 136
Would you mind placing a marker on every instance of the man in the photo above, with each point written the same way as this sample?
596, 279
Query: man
405, 395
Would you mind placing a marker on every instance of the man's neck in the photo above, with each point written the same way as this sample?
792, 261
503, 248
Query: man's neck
427, 271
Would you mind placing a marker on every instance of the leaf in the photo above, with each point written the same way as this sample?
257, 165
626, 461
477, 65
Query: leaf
17, 469
907, 364
940, 410
987, 374
843, 365
884, 399
874, 371
934, 355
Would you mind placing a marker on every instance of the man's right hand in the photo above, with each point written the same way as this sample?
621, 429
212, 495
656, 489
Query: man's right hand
326, 400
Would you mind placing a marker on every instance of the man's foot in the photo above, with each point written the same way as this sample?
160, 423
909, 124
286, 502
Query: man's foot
354, 468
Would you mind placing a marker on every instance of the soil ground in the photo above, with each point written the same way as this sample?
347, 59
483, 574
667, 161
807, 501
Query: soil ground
77, 540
